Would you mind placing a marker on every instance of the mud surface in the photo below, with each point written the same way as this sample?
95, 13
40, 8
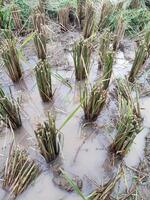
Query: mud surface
85, 148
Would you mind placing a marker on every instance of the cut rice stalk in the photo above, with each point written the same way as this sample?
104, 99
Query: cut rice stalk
106, 10
16, 18
93, 101
104, 47
105, 191
124, 89
107, 69
139, 60
40, 44
43, 78
82, 57
81, 4
20, 171
47, 138
63, 18
9, 111
89, 22
11, 59
38, 21
128, 127
119, 33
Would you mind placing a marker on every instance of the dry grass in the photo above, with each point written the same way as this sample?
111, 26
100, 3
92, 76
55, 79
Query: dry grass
9, 111
93, 101
43, 78
89, 22
105, 191
47, 137
20, 171
82, 58
11, 58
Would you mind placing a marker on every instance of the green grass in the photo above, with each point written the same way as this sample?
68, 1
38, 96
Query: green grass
6, 16
136, 19
57, 5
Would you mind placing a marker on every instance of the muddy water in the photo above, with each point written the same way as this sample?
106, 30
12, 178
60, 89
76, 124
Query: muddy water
85, 148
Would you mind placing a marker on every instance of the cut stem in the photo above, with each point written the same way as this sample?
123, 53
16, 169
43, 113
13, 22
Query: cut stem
93, 101
11, 59
43, 78
20, 171
89, 22
82, 57
47, 138
139, 60
40, 45
9, 111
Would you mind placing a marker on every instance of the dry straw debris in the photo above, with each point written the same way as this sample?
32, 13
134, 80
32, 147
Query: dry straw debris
20, 171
